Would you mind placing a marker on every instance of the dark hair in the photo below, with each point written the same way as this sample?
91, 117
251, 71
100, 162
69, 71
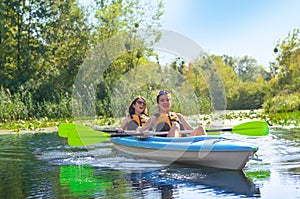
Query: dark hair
131, 109
160, 93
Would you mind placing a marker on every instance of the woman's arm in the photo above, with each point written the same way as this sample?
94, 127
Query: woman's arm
123, 125
185, 124
147, 125
196, 132
145, 129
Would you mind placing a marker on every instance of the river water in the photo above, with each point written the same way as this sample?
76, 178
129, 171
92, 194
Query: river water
42, 165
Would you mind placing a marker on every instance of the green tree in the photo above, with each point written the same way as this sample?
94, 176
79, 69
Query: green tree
285, 83
42, 46
244, 92
287, 66
20, 47
65, 38
246, 68
123, 17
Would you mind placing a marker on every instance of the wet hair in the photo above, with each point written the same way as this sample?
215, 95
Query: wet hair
131, 110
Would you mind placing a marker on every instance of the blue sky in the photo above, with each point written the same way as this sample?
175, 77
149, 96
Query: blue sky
234, 27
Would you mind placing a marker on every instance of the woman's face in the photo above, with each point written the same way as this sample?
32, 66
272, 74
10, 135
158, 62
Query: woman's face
165, 102
139, 106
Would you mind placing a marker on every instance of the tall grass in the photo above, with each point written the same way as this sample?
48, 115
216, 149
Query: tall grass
21, 106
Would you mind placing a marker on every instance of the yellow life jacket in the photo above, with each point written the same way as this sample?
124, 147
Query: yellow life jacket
165, 121
136, 121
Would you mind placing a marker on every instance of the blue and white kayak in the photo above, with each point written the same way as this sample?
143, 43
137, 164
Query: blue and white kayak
211, 151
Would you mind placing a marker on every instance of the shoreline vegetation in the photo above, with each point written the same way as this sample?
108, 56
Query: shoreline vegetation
226, 118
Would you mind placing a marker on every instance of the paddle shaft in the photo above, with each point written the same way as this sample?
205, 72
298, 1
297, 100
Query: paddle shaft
218, 130
182, 132
132, 132
123, 135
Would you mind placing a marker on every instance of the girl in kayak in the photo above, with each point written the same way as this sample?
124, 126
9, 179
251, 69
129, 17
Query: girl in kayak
168, 121
137, 115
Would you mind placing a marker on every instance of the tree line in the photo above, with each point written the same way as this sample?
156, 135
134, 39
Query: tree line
43, 44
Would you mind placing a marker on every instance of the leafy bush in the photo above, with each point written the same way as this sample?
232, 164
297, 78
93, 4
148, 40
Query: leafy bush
246, 96
282, 103
20, 106
285, 118
11, 107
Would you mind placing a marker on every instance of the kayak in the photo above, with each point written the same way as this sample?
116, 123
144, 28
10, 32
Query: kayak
210, 151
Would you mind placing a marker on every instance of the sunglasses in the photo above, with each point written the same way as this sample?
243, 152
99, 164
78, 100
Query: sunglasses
141, 103
163, 92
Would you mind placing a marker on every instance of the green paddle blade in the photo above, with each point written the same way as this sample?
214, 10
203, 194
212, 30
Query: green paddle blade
79, 135
64, 128
254, 128
86, 141
70, 130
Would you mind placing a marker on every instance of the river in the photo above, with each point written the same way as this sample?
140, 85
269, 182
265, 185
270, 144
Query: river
42, 165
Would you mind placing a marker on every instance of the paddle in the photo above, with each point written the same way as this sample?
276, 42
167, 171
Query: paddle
79, 135
253, 128
64, 128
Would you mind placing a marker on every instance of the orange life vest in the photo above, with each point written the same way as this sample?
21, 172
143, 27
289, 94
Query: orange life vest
165, 121
136, 121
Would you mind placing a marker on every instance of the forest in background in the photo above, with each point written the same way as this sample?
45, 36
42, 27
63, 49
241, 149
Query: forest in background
43, 44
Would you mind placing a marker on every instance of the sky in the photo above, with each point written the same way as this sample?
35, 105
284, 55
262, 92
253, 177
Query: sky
234, 27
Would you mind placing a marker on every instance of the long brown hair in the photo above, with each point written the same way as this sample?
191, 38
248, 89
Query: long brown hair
131, 110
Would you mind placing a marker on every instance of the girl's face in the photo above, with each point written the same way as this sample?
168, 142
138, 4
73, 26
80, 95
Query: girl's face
139, 106
165, 102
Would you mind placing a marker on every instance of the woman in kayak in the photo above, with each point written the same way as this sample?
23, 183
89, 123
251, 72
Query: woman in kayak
137, 115
168, 121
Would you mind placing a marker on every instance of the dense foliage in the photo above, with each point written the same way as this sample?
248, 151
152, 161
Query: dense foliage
44, 44
284, 87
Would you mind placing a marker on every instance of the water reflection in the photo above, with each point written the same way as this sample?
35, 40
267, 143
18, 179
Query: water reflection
292, 135
84, 180
220, 181
80, 180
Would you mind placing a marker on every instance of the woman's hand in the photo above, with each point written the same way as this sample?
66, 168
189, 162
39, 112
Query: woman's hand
141, 132
180, 117
120, 130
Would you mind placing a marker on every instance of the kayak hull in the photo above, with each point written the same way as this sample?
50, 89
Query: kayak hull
217, 152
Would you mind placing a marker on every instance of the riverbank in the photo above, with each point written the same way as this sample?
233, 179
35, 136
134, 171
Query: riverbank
218, 119
52, 129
